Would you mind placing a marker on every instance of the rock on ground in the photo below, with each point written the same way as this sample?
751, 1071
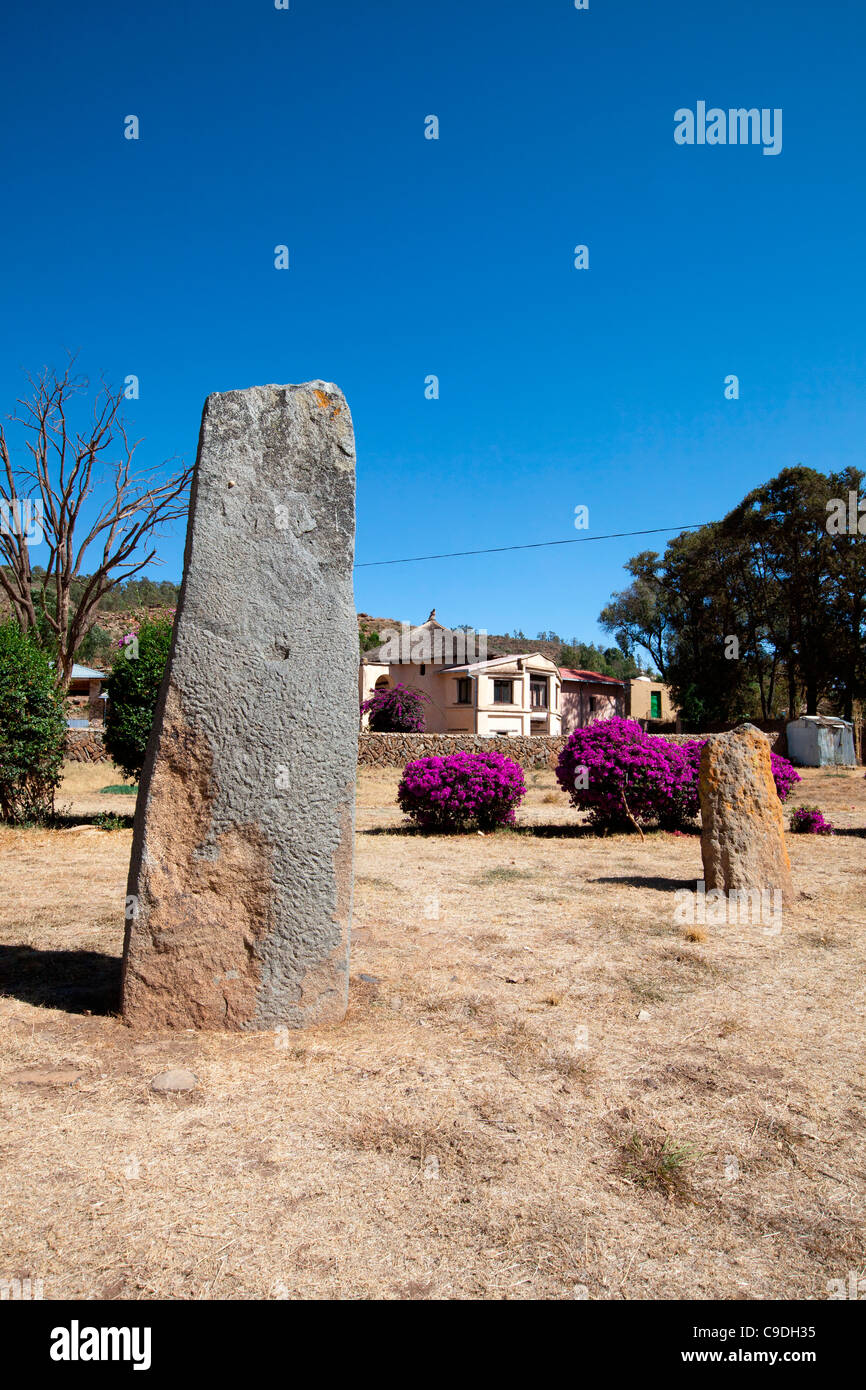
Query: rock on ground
178, 1080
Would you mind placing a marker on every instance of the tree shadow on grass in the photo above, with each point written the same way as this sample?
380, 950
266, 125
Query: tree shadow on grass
662, 885
541, 832
79, 982
547, 832
100, 820
65, 819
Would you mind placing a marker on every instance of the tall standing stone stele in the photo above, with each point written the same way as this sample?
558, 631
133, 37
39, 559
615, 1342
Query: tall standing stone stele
742, 823
240, 884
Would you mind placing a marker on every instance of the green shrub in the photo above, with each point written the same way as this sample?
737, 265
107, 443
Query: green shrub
106, 821
97, 645
32, 729
132, 688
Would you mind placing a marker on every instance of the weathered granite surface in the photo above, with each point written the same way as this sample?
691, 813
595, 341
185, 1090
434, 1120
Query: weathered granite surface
241, 871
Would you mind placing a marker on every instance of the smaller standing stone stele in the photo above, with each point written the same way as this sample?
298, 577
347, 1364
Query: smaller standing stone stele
742, 824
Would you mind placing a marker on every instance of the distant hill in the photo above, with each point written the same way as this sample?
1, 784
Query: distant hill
506, 645
126, 606
586, 656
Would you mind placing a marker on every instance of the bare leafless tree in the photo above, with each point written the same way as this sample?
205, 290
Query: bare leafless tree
80, 479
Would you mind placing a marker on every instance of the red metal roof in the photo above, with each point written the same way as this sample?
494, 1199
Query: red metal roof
568, 674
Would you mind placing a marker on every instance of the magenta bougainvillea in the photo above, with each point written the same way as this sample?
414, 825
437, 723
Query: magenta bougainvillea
622, 776
463, 791
396, 709
808, 820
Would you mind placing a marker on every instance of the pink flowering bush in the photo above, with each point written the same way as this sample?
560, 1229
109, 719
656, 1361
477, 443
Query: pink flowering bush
784, 776
808, 820
463, 791
622, 776
396, 709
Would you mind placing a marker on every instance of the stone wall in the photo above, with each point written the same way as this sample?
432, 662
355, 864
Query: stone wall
85, 746
395, 750
775, 736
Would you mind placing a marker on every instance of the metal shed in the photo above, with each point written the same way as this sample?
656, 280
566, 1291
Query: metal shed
821, 740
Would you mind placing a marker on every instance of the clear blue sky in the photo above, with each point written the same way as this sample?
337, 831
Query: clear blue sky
454, 257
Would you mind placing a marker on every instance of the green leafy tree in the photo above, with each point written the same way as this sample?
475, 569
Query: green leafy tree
846, 601
745, 616
97, 646
32, 728
610, 661
133, 687
708, 673
140, 593
642, 615
786, 520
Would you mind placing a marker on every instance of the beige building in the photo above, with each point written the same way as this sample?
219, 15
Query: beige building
468, 690
650, 700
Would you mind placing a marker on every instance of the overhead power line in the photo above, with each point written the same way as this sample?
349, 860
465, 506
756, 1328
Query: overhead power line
532, 545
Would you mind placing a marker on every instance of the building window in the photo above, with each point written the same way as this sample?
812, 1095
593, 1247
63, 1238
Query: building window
464, 690
423, 669
538, 692
502, 691
656, 704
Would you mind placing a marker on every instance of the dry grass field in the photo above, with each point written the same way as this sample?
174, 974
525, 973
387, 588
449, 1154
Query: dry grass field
546, 1087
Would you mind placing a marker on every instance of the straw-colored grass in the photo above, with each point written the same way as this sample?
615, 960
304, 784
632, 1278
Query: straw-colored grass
544, 1083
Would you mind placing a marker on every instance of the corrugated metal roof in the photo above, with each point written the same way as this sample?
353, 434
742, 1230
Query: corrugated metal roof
829, 720
85, 673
